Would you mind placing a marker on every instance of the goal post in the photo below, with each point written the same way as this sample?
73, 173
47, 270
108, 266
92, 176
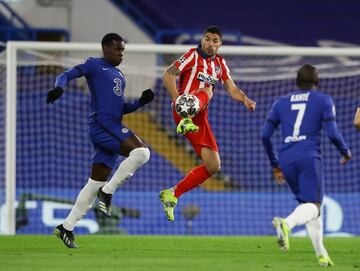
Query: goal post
270, 69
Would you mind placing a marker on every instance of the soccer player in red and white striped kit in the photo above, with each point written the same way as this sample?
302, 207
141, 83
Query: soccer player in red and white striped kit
199, 69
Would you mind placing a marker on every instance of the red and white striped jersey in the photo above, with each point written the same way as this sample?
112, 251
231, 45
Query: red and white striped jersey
198, 71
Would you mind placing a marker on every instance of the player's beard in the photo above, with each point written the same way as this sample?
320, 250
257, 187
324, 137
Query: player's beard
210, 52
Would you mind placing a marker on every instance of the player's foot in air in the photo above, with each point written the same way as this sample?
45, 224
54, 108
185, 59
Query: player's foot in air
186, 126
282, 231
169, 202
66, 236
325, 261
104, 204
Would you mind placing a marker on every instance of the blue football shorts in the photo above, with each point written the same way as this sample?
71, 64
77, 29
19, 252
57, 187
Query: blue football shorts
107, 137
305, 178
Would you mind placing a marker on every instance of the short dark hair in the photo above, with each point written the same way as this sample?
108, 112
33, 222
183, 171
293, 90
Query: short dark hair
109, 37
214, 30
307, 77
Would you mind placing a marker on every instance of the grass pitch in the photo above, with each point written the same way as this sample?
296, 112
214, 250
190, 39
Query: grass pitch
96, 252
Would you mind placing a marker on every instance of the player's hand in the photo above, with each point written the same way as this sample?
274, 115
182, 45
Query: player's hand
54, 94
147, 96
345, 158
249, 104
278, 175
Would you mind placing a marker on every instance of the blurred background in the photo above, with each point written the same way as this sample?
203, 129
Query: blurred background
54, 152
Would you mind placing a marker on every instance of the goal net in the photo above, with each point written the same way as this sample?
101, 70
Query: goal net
45, 151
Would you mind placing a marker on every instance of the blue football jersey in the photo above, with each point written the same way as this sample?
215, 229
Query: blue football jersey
106, 84
301, 114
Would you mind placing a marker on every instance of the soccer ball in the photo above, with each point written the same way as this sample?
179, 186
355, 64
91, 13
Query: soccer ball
187, 105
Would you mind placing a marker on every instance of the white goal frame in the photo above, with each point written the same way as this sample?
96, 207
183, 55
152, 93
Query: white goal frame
13, 47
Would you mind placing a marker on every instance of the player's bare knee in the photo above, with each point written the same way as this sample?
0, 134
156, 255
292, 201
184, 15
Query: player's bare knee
213, 168
141, 155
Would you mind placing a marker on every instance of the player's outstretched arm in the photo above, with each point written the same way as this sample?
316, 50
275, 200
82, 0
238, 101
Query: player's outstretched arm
239, 95
357, 119
337, 139
61, 81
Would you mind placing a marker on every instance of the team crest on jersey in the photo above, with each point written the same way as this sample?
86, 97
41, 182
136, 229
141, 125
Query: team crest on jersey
124, 130
217, 69
118, 90
207, 78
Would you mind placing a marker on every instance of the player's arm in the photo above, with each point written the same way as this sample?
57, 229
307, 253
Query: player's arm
239, 95
169, 80
146, 97
63, 78
333, 132
357, 119
268, 129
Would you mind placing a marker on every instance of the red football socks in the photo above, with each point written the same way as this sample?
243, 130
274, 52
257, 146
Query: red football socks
194, 178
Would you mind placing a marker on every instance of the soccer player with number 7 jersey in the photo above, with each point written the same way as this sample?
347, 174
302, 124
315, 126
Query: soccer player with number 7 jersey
302, 114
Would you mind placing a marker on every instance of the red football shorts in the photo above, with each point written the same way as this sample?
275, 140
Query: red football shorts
204, 137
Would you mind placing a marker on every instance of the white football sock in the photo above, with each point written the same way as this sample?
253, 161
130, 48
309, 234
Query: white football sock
136, 159
302, 214
315, 231
83, 203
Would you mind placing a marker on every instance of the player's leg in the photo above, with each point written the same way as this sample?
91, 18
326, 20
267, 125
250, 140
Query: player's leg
186, 125
199, 174
310, 193
205, 146
305, 181
195, 177
315, 231
137, 155
84, 201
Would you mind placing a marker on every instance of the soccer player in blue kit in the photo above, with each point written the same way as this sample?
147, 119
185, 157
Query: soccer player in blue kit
108, 136
302, 114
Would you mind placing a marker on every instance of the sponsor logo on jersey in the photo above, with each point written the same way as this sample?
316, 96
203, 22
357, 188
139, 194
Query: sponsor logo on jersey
124, 130
289, 139
207, 78
118, 87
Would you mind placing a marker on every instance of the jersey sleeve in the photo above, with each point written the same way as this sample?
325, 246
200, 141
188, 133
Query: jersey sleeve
72, 73
329, 113
225, 75
186, 61
86, 67
270, 125
331, 127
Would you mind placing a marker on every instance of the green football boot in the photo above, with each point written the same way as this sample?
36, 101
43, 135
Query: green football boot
169, 202
186, 126
325, 261
282, 231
